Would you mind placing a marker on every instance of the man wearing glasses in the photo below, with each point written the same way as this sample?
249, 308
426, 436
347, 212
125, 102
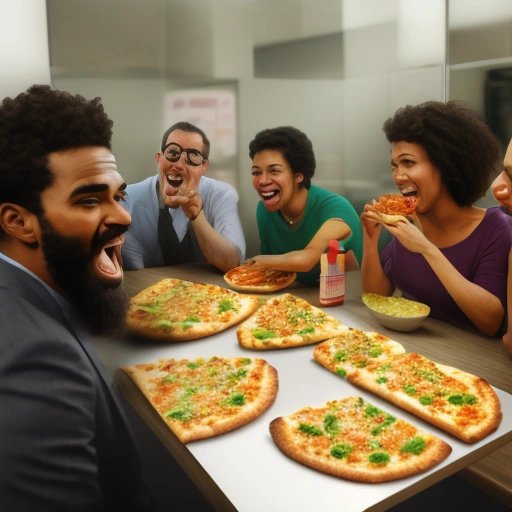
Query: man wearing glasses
179, 215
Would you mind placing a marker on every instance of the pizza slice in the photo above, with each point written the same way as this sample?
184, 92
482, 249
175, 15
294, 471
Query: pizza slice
287, 321
202, 398
392, 208
353, 439
355, 349
177, 310
256, 278
458, 402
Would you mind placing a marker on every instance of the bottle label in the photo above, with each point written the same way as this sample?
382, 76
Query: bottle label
332, 288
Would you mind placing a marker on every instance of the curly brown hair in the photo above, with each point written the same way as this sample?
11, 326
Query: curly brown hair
459, 144
38, 122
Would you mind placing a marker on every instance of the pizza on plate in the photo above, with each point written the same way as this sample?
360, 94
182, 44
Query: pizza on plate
256, 278
202, 398
392, 208
177, 310
353, 439
354, 349
287, 321
456, 401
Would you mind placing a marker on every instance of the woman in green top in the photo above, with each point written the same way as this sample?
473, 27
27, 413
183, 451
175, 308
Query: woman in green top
296, 219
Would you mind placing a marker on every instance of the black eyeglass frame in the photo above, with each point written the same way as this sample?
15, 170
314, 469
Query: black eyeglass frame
187, 151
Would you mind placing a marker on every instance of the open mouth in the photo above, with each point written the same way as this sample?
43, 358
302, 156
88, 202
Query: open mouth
109, 259
409, 192
174, 181
267, 196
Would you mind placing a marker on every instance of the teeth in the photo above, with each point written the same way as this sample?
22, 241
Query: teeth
174, 181
116, 241
268, 194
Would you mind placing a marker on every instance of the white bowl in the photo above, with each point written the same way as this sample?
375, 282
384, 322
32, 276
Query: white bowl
396, 313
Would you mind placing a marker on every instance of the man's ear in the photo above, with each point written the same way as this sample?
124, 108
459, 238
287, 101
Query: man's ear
156, 156
206, 164
19, 223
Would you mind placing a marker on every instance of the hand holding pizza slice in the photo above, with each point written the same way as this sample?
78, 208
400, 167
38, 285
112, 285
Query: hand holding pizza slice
391, 209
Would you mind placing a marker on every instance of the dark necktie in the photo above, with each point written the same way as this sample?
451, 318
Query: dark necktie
167, 238
173, 250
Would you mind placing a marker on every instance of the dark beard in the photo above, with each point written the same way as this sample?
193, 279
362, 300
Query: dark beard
102, 306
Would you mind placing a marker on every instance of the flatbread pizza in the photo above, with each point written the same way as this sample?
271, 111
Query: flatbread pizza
256, 278
351, 438
392, 208
203, 398
354, 349
287, 321
178, 310
456, 401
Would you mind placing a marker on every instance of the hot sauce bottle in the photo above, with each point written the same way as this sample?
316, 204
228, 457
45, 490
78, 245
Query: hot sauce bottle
332, 275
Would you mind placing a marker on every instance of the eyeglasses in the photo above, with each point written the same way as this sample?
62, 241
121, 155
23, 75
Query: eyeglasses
173, 153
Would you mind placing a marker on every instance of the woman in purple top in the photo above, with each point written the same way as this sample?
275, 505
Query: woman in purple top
446, 157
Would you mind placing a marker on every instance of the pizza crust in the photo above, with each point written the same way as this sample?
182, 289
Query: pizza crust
196, 299
314, 451
212, 425
386, 218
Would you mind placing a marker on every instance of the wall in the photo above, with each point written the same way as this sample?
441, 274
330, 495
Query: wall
24, 58
334, 68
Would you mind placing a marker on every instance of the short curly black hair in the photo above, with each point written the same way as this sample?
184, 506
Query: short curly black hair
293, 144
38, 122
459, 144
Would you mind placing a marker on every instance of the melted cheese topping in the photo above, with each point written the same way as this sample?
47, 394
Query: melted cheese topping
354, 432
422, 383
179, 305
202, 391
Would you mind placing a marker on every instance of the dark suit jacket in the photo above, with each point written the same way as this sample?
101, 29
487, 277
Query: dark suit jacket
64, 442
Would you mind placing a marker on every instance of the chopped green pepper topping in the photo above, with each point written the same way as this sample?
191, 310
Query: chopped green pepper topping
341, 355
415, 445
341, 372
236, 399
307, 330
341, 450
409, 389
331, 425
310, 429
426, 399
375, 351
263, 334
379, 458
178, 413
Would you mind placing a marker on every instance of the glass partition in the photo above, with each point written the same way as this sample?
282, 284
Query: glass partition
480, 63
336, 69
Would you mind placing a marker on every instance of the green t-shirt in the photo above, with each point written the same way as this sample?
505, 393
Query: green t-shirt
277, 237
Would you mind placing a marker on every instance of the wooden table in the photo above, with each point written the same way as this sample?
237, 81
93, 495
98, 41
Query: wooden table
486, 464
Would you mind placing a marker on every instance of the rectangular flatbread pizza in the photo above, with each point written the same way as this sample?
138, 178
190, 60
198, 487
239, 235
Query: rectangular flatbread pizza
178, 310
353, 439
354, 349
287, 321
456, 401
203, 398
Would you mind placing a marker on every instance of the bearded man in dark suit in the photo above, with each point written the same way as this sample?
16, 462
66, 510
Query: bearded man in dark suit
65, 444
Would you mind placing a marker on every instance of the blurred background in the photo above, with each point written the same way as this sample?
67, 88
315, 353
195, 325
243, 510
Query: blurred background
336, 69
